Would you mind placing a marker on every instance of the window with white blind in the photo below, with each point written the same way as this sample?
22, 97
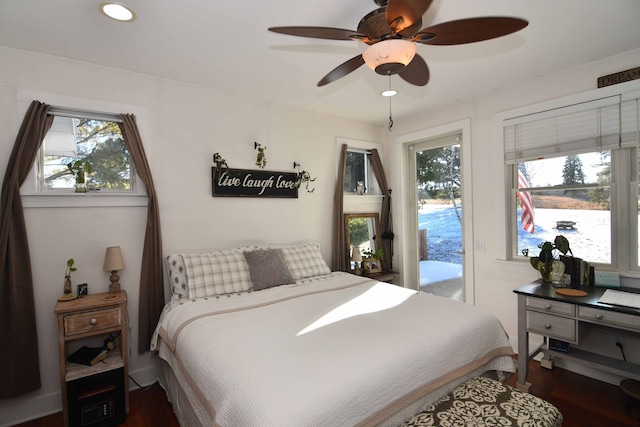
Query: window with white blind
574, 171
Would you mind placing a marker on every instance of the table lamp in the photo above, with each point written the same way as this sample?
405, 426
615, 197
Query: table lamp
356, 257
113, 262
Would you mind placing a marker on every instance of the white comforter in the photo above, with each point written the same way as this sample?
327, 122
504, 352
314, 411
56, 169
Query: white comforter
337, 351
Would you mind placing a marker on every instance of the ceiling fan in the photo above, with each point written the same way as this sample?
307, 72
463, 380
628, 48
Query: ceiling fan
391, 32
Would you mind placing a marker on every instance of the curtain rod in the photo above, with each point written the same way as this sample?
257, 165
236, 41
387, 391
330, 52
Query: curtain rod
84, 114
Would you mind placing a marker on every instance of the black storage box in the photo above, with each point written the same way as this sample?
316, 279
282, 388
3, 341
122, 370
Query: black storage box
97, 400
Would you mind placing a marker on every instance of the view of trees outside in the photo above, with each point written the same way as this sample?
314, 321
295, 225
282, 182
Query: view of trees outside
439, 176
101, 144
440, 212
354, 170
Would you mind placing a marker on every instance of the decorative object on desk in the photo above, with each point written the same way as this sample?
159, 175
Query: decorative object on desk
303, 177
550, 268
80, 170
82, 290
356, 257
261, 158
569, 292
113, 262
371, 261
606, 279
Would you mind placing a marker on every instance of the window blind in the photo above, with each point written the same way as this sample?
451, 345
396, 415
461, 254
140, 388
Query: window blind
602, 124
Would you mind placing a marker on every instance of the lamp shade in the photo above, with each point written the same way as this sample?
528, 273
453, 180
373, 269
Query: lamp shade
113, 259
356, 256
389, 56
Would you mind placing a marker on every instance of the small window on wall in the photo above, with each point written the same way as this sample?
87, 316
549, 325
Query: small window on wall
95, 144
358, 175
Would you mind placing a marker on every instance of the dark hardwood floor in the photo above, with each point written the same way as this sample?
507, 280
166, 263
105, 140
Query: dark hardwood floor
584, 402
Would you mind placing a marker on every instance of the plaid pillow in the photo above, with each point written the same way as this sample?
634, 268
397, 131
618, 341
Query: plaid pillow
305, 260
216, 273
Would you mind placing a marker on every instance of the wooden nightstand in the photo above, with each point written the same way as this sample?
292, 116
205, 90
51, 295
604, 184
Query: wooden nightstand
385, 276
94, 315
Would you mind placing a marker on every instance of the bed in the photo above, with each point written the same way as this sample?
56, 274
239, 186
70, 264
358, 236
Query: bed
269, 336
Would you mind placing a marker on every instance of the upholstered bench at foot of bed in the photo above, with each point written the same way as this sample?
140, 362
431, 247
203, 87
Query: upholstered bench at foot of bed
482, 401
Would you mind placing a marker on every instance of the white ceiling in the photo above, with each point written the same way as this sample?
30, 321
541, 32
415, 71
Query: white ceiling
226, 45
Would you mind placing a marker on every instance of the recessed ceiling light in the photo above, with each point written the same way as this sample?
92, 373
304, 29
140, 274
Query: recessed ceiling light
389, 93
118, 12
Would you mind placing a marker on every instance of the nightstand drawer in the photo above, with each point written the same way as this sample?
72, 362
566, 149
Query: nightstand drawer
553, 326
551, 306
75, 324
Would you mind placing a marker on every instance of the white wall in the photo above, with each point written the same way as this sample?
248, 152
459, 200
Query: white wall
183, 127
494, 279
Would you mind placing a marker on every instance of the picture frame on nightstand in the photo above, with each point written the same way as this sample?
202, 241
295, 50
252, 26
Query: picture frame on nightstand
372, 265
83, 290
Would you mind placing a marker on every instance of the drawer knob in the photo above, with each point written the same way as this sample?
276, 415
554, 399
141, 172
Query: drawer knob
547, 325
599, 316
547, 307
93, 322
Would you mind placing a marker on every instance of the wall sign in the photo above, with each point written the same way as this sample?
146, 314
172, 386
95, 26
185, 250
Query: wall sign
229, 182
621, 77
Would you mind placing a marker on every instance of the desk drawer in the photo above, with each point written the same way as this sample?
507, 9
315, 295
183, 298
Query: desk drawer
551, 306
75, 324
558, 327
608, 317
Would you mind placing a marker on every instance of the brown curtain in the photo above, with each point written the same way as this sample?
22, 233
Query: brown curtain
19, 362
386, 224
151, 286
340, 260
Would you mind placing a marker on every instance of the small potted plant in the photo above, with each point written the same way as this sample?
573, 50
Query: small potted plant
371, 260
551, 269
67, 276
80, 170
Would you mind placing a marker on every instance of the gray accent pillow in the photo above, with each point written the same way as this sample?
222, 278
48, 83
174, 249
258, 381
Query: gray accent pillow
268, 268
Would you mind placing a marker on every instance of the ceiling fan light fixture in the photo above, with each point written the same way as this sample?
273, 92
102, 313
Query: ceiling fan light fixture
389, 56
118, 12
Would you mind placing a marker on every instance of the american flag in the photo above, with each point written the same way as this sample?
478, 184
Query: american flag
525, 200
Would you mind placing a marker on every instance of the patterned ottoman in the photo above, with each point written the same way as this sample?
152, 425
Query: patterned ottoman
485, 402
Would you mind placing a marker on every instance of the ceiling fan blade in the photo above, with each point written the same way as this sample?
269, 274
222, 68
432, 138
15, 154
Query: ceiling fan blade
319, 33
404, 13
469, 30
342, 70
416, 73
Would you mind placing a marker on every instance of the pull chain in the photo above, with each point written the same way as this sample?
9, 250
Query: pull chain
390, 115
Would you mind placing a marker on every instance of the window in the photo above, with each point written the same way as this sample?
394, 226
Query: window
90, 143
574, 171
358, 173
